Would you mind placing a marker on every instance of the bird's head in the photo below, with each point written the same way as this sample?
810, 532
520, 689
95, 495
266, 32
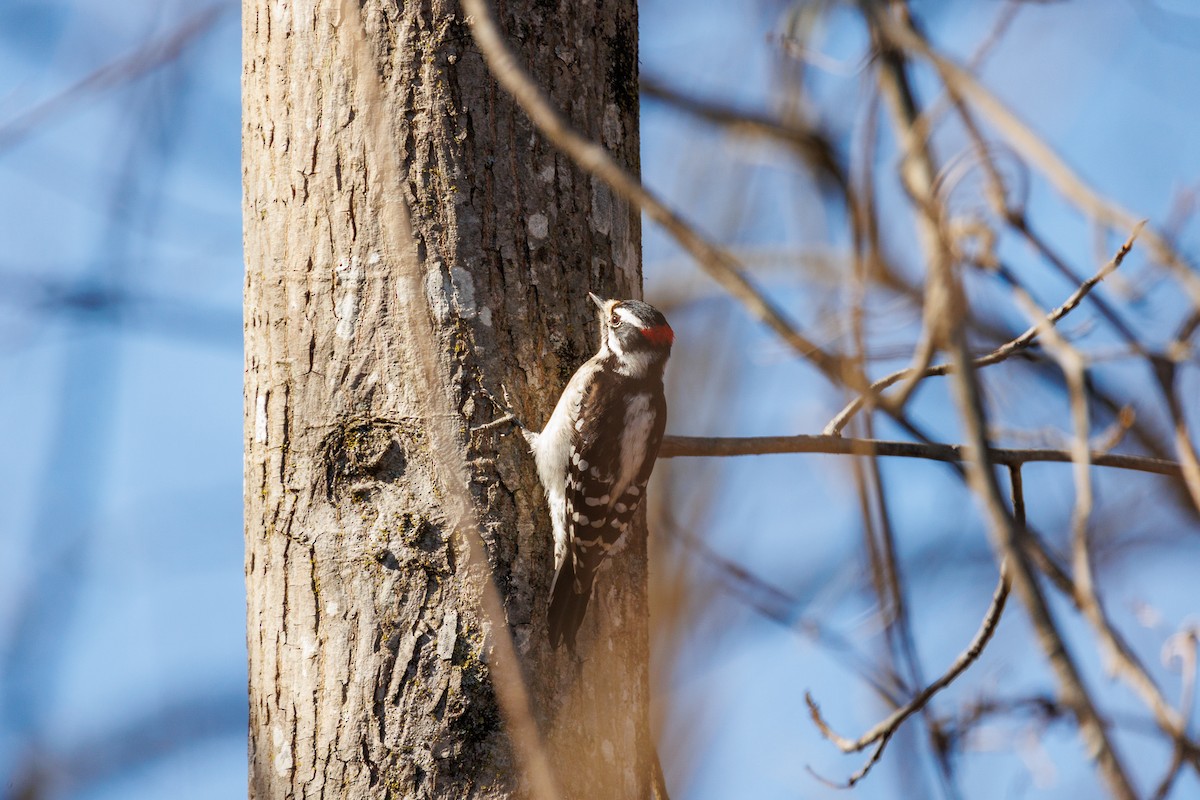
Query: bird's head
636, 333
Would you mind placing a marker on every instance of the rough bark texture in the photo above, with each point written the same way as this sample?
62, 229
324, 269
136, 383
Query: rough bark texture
369, 668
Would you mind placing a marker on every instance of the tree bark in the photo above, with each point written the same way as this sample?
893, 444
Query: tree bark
397, 265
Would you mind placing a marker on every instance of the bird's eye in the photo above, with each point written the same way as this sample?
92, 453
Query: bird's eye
614, 321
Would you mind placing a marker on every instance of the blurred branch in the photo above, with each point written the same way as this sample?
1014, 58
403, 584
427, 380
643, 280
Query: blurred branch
964, 85
882, 732
1082, 589
945, 309
658, 782
1166, 371
145, 59
58, 770
811, 144
1121, 659
787, 611
94, 300
504, 666
1001, 353
594, 159
891, 591
1163, 367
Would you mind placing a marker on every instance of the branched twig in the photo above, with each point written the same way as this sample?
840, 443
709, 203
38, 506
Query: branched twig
944, 313
1001, 353
1163, 366
963, 85
850, 782
882, 732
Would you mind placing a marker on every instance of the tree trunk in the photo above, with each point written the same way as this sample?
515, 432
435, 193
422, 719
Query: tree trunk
409, 241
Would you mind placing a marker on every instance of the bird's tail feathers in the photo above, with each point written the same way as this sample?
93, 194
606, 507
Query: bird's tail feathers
569, 596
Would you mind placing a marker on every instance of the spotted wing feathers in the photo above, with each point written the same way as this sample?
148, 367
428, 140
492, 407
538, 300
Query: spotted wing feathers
606, 481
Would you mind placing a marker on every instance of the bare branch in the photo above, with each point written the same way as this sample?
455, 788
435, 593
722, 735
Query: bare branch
810, 143
882, 732
595, 160
963, 84
945, 309
876, 754
145, 59
681, 446
1004, 351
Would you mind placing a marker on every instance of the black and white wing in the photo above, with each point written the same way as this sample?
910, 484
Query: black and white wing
612, 455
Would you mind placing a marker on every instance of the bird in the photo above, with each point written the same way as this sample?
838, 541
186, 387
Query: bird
597, 450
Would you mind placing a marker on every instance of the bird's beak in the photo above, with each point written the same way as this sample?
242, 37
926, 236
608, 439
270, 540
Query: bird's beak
599, 303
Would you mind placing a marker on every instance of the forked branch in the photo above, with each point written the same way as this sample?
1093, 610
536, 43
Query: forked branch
882, 732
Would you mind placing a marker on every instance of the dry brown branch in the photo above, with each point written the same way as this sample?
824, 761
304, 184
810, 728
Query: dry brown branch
1001, 353
658, 783
1017, 219
1121, 660
1173, 772
878, 529
882, 732
1166, 371
1004, 19
785, 610
685, 446
964, 85
1019, 222
810, 143
1119, 654
1181, 646
1071, 689
441, 429
595, 160
1073, 367
1084, 592
850, 782
945, 308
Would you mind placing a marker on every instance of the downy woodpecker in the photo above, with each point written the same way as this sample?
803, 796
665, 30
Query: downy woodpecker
595, 454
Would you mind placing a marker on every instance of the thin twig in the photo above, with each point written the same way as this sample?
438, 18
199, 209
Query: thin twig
1004, 351
962, 83
785, 610
947, 312
810, 143
850, 782
1173, 771
883, 731
1163, 367
1120, 657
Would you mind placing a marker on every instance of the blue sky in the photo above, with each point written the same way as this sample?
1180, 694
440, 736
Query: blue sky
120, 339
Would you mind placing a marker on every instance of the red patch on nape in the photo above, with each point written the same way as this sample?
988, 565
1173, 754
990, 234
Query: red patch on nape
659, 335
